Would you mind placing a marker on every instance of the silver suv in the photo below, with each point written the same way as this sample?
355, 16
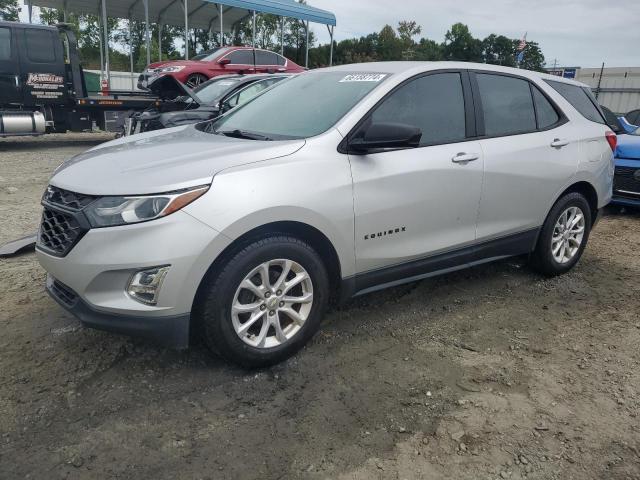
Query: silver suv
336, 183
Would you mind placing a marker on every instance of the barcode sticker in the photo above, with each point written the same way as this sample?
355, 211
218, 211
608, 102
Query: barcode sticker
364, 77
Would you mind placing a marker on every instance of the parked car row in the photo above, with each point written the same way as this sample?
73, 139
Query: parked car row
207, 101
337, 182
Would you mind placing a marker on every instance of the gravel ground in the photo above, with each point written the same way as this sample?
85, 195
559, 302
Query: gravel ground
490, 373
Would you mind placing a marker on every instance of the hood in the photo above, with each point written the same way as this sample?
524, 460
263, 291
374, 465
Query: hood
162, 161
167, 87
175, 63
628, 147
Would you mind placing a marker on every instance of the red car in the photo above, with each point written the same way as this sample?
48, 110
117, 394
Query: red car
220, 61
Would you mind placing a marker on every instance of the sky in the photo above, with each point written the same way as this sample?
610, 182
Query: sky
577, 33
581, 33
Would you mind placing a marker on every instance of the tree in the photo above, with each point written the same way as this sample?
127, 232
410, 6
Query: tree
9, 10
389, 45
498, 50
407, 29
460, 45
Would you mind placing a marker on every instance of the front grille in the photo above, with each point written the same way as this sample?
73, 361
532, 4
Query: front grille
59, 231
625, 180
63, 293
66, 199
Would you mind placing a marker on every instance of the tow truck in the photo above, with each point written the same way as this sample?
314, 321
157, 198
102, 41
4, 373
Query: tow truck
43, 88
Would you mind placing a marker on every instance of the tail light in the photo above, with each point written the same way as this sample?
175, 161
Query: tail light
612, 140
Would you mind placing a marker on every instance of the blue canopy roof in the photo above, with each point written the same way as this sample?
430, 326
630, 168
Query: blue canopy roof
283, 8
202, 13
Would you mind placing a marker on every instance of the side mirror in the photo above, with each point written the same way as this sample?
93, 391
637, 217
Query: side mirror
224, 61
386, 135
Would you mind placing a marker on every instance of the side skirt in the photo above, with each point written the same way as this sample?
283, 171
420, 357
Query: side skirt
489, 251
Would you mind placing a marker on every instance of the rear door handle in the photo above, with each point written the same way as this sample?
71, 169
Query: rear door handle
559, 143
465, 157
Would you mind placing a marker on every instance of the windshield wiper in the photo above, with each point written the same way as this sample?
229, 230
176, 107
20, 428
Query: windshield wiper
244, 134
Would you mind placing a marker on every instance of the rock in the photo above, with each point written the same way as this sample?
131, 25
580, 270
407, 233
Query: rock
241, 416
12, 190
428, 394
524, 460
457, 435
504, 474
462, 447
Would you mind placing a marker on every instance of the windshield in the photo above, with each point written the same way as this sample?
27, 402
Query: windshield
214, 89
301, 107
208, 55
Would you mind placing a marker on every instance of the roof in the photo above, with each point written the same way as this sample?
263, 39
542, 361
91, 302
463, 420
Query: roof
202, 13
417, 67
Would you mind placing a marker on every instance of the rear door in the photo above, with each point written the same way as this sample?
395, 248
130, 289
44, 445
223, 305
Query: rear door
42, 66
530, 153
266, 62
415, 203
10, 91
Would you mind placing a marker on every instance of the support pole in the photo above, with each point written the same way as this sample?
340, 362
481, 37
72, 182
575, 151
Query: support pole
160, 41
282, 36
331, 49
253, 33
64, 11
133, 87
221, 26
30, 9
100, 45
306, 46
147, 38
185, 5
105, 28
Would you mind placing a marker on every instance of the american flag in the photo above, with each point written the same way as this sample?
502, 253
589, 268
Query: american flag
523, 43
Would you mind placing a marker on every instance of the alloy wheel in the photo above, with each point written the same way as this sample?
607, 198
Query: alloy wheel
568, 234
272, 303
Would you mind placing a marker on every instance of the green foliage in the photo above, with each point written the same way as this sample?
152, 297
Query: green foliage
9, 10
386, 45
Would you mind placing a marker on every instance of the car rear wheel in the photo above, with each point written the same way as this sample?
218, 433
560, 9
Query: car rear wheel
564, 235
265, 303
195, 80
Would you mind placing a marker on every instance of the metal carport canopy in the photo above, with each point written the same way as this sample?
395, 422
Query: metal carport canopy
202, 13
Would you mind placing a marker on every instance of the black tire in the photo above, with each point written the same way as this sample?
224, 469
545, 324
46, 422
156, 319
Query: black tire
196, 79
213, 308
542, 258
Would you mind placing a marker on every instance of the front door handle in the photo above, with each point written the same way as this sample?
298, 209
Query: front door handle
559, 143
465, 157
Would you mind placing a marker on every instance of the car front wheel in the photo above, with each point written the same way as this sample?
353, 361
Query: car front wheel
195, 80
266, 302
564, 235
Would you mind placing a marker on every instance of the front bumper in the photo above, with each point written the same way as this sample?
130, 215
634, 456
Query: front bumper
626, 183
98, 268
171, 331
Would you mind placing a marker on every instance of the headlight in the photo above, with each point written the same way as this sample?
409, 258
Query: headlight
168, 69
112, 211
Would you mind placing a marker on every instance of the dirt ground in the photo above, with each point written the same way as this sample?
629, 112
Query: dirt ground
490, 373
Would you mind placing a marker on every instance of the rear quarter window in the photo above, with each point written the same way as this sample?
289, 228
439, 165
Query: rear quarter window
580, 99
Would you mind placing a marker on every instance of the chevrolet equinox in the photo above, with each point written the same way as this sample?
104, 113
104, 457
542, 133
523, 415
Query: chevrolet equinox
339, 182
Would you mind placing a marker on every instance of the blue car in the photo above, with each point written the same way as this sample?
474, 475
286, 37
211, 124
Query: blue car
626, 183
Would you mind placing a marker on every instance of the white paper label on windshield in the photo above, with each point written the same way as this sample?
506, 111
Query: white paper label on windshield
364, 77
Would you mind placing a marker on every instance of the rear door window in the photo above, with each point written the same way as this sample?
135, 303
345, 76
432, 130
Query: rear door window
433, 103
266, 58
5, 44
580, 99
507, 105
241, 57
545, 111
